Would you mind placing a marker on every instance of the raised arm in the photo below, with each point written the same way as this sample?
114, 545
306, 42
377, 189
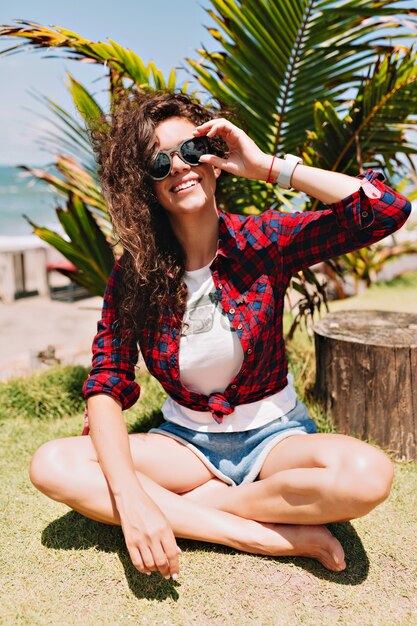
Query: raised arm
362, 210
364, 217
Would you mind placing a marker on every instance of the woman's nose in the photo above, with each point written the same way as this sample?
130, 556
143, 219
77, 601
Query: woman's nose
178, 165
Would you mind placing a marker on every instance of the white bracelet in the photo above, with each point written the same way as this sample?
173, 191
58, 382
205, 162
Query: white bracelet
288, 166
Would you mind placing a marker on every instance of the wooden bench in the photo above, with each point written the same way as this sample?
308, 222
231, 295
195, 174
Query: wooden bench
22, 267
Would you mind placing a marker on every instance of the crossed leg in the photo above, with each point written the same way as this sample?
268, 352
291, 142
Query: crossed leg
67, 470
312, 479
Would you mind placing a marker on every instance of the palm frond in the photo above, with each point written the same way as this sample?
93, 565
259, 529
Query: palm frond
376, 127
65, 133
123, 62
87, 247
278, 57
75, 180
87, 106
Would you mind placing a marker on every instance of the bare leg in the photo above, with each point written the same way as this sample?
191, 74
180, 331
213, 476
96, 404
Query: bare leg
68, 472
312, 479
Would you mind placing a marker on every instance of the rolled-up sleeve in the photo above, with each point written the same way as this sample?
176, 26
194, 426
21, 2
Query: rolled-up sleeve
114, 354
361, 219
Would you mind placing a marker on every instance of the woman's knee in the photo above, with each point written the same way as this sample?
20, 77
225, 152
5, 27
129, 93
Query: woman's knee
49, 470
366, 477
380, 472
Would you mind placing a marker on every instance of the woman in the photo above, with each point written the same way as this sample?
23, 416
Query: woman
202, 291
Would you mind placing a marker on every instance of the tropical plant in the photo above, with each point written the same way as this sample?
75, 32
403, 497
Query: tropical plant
330, 80
85, 246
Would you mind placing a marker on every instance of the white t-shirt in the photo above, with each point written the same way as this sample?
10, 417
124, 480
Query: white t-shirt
210, 356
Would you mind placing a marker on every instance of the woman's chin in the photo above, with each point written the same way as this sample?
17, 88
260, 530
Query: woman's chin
191, 204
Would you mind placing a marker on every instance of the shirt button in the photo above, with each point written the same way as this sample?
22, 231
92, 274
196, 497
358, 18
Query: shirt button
239, 326
232, 311
249, 351
364, 213
234, 386
220, 286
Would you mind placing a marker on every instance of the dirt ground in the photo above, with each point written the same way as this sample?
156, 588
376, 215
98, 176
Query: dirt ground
29, 325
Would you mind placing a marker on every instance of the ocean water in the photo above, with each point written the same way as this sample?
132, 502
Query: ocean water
21, 194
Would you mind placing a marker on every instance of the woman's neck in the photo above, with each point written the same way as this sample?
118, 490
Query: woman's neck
198, 234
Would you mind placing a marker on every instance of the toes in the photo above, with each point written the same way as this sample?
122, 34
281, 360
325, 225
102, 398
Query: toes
332, 561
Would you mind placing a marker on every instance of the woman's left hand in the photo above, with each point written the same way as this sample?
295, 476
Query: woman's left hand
244, 158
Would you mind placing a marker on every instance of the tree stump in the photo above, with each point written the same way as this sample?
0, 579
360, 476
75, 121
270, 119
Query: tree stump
366, 376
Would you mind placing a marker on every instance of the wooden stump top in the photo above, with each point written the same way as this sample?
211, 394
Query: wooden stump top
374, 328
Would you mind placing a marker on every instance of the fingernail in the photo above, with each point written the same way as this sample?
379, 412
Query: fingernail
174, 576
147, 573
167, 577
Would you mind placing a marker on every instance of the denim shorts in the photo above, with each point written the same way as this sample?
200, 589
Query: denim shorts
237, 457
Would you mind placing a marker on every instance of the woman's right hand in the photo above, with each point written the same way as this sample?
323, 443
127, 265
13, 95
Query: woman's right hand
149, 538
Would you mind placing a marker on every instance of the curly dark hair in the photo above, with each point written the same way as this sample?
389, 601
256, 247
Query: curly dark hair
153, 260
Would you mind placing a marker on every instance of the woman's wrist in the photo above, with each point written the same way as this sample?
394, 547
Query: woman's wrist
269, 167
125, 483
328, 187
130, 492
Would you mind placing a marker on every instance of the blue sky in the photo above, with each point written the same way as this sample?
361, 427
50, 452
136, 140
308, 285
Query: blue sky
159, 30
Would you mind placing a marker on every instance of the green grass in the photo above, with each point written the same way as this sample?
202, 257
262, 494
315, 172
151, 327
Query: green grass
58, 568
49, 395
399, 294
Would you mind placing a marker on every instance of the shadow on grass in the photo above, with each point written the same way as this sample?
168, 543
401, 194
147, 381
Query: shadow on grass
357, 562
73, 531
76, 532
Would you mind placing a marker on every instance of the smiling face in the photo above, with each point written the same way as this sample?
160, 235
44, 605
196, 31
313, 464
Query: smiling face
187, 189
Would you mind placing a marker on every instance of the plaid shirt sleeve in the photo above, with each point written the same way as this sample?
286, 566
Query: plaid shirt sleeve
114, 356
361, 219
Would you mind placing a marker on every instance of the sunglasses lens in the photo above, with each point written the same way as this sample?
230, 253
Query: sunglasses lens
193, 149
160, 167
190, 151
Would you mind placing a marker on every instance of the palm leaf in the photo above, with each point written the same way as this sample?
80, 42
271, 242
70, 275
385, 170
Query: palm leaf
69, 135
375, 129
86, 247
122, 61
286, 67
75, 180
86, 105
274, 82
278, 58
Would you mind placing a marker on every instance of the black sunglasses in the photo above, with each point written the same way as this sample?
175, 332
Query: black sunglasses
189, 151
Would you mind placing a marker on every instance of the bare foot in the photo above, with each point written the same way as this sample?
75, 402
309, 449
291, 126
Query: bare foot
313, 541
316, 542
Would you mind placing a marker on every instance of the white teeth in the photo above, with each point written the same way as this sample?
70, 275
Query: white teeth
185, 185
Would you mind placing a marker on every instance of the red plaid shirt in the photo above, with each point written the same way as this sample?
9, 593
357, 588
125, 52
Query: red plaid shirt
257, 255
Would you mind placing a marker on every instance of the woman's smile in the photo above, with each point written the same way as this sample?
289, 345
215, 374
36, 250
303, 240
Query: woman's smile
186, 184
